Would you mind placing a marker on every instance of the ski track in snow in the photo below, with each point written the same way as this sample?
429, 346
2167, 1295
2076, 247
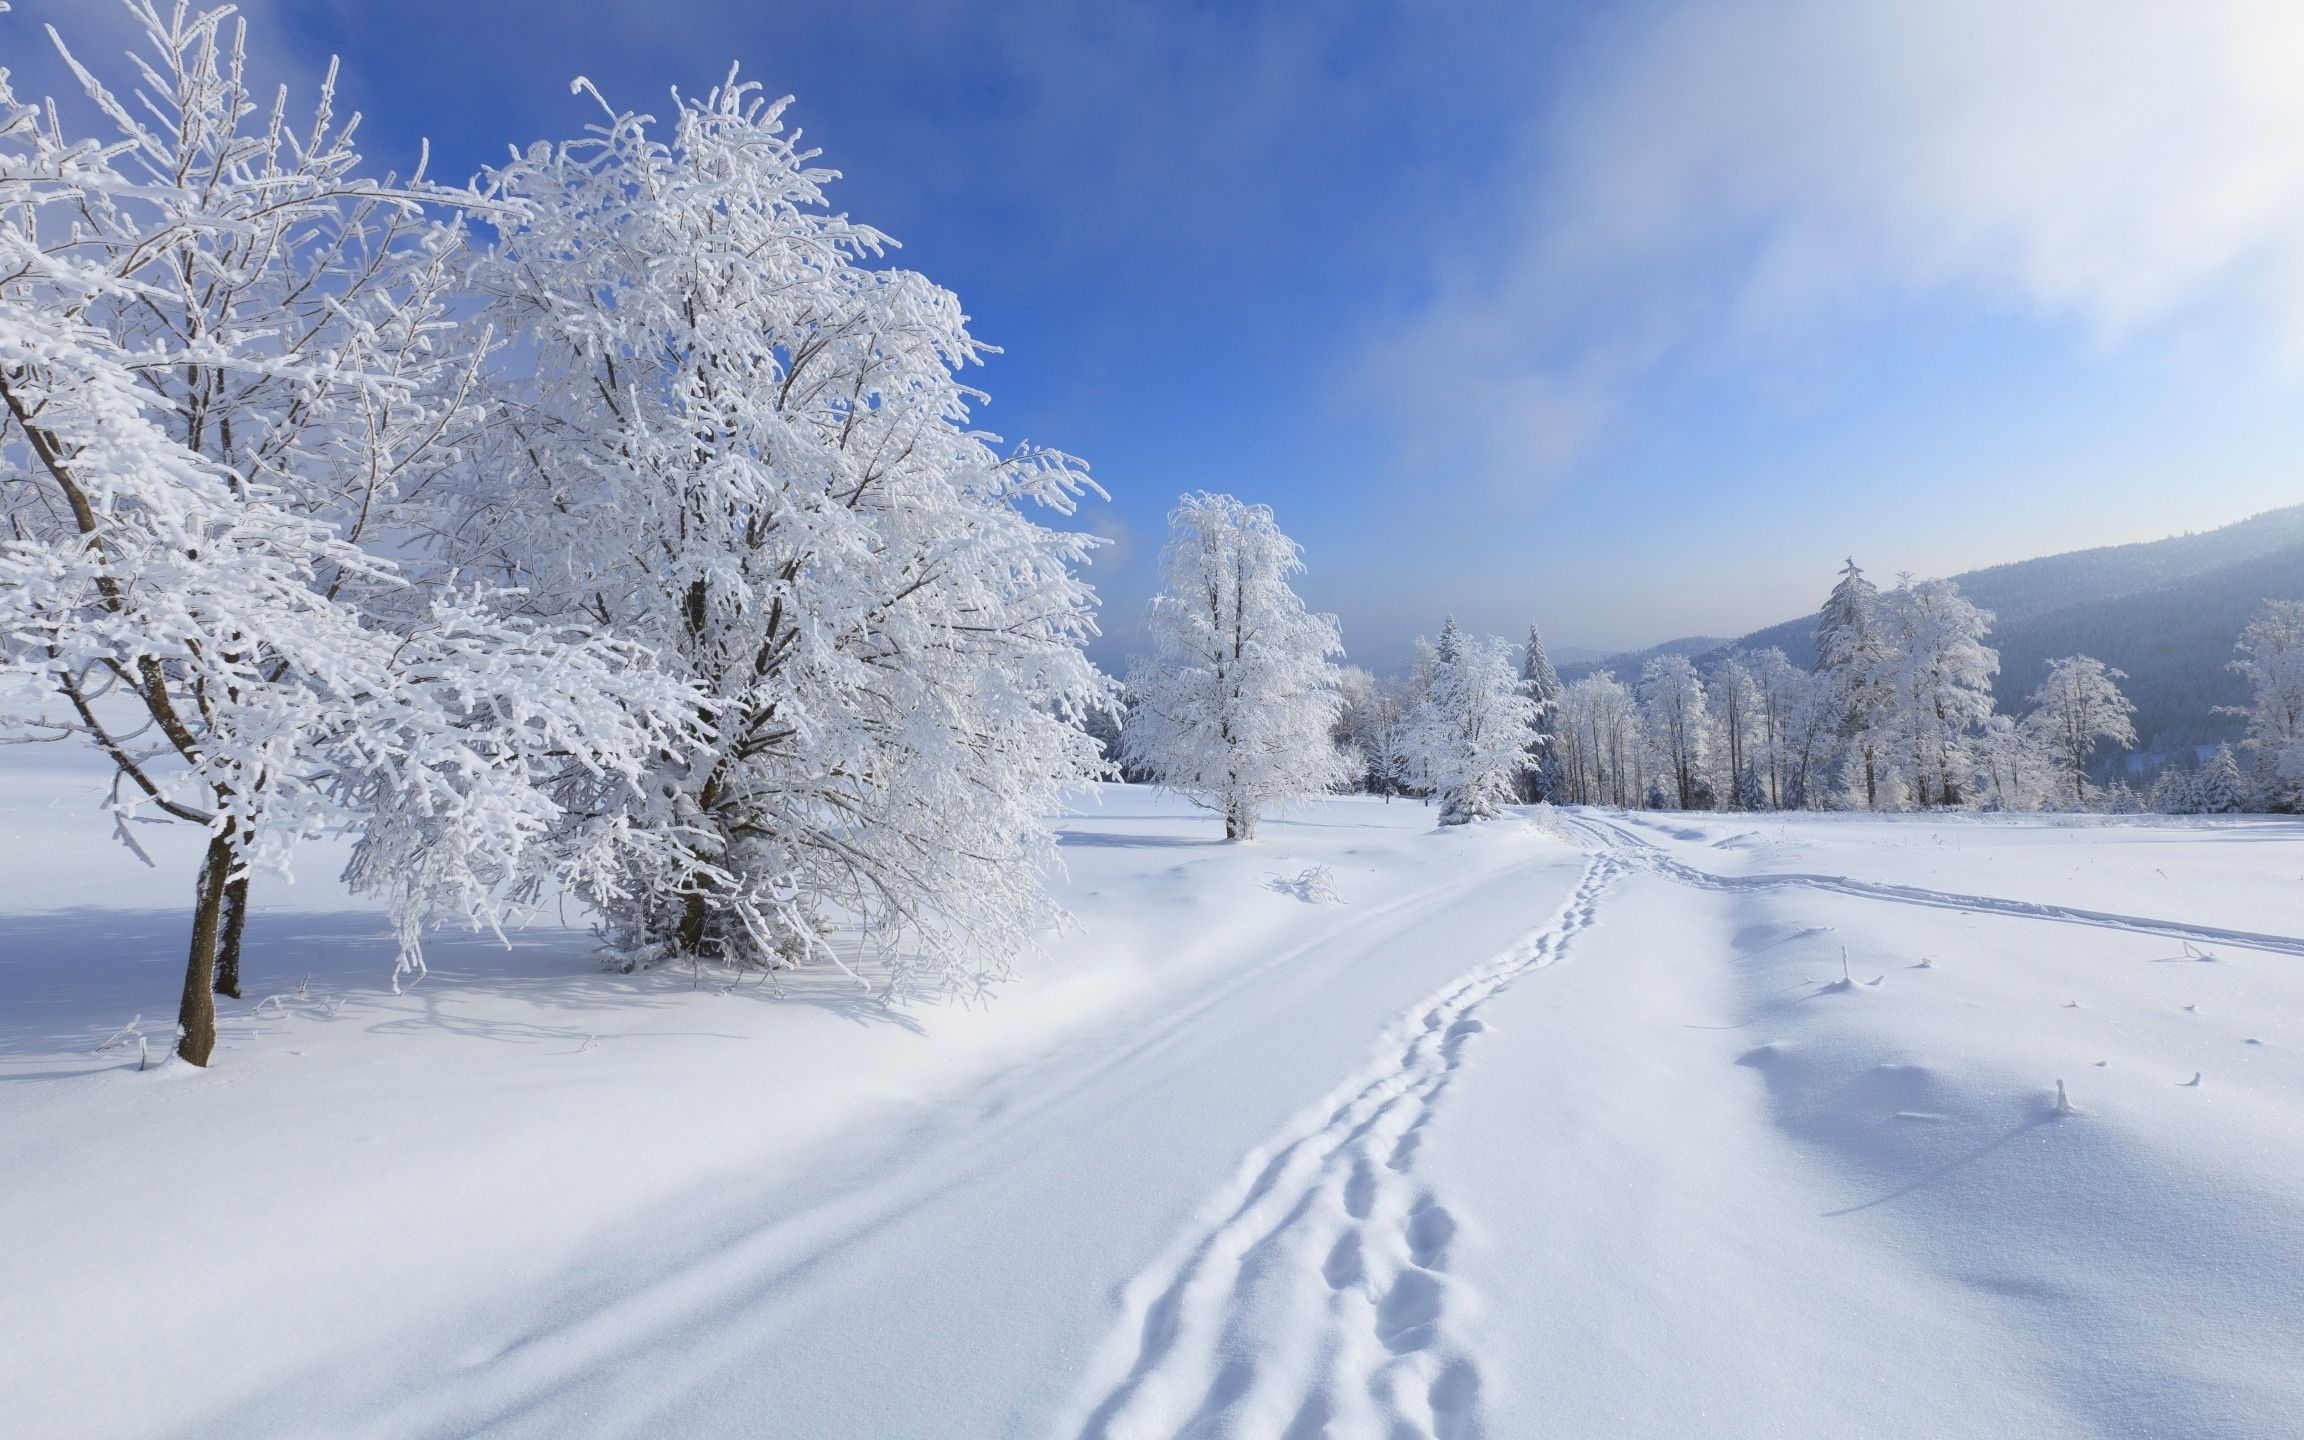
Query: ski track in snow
1318, 1299
1653, 857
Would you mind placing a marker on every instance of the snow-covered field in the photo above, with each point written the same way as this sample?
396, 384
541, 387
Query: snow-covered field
1564, 1125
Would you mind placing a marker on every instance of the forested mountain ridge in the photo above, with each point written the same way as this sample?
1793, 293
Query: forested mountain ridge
2165, 611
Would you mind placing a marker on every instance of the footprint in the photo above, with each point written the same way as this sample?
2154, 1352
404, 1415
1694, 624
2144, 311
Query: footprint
1430, 1229
1344, 1267
1404, 1152
1406, 1317
1360, 1191
1455, 1396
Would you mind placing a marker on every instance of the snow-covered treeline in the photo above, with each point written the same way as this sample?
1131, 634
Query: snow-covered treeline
1897, 713
615, 522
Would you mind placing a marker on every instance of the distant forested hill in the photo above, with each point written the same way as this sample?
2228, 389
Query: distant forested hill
2165, 611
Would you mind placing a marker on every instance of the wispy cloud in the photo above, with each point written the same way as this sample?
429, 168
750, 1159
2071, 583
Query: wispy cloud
1716, 171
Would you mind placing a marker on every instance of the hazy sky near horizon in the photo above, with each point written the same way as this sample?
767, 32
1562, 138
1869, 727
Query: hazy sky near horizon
1629, 318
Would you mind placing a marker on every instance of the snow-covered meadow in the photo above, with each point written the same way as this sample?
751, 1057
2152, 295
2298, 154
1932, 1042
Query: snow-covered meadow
1571, 1123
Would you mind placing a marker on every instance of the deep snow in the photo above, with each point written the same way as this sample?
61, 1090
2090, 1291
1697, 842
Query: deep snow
1557, 1125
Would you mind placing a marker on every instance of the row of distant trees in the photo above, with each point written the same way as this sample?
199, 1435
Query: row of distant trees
1243, 703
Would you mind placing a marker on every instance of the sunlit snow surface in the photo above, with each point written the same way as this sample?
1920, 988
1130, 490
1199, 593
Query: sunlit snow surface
1579, 1127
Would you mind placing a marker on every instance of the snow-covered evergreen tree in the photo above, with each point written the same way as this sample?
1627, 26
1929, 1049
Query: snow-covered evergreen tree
232, 394
1672, 707
2077, 707
2220, 788
2173, 792
1475, 726
2272, 658
1751, 790
1936, 674
1853, 661
1235, 705
1542, 779
747, 447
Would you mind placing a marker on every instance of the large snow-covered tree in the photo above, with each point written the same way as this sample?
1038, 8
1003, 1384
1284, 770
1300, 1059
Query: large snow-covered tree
747, 446
1475, 726
2272, 658
1936, 676
1852, 658
1234, 707
2076, 708
229, 386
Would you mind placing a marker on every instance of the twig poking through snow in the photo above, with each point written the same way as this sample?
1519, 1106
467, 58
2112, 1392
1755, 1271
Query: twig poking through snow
120, 1036
2063, 1104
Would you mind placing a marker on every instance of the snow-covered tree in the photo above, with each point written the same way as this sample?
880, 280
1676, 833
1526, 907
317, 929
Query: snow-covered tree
2014, 770
1672, 707
1737, 721
1751, 790
2173, 792
748, 447
1600, 738
2272, 658
1852, 659
1797, 730
1936, 675
2220, 788
1475, 726
1235, 705
1541, 780
230, 391
1372, 729
2078, 706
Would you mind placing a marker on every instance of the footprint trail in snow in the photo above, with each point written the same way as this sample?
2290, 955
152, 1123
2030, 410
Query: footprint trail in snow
1318, 1297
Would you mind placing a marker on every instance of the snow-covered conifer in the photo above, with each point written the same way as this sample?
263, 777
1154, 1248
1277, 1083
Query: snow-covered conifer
748, 447
1541, 683
1853, 659
2220, 788
1475, 726
2075, 708
1751, 790
2173, 792
1235, 705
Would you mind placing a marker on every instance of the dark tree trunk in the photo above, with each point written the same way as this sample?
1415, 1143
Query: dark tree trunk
228, 943
692, 913
197, 1016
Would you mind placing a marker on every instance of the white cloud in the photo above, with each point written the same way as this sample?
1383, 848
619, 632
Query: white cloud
1762, 162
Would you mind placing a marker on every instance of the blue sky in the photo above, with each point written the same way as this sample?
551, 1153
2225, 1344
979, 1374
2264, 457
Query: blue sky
1633, 319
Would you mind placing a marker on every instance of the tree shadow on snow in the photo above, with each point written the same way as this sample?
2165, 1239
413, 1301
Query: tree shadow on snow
72, 979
